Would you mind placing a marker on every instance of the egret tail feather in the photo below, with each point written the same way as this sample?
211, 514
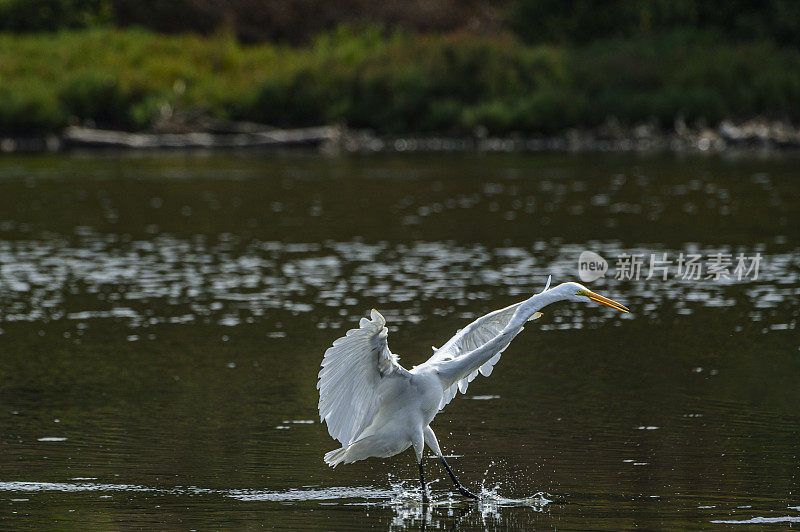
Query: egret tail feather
335, 457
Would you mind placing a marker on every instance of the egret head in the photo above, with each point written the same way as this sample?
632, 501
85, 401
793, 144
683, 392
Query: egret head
578, 292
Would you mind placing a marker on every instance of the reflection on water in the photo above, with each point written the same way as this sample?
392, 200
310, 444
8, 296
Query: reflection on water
162, 321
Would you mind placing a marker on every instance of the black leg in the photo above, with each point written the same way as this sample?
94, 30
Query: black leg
461, 489
425, 499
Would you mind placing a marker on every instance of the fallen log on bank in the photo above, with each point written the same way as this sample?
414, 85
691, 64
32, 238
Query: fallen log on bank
205, 133
101, 138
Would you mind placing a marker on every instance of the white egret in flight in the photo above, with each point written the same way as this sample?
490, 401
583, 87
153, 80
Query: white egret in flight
376, 408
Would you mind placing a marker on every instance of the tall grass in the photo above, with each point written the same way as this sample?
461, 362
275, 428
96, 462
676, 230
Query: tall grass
399, 83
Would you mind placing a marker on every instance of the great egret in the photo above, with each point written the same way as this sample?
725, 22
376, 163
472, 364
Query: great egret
376, 408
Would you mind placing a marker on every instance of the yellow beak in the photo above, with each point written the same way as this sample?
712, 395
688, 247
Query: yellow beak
603, 300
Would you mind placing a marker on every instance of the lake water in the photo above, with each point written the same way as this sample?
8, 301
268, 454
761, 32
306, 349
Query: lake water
163, 317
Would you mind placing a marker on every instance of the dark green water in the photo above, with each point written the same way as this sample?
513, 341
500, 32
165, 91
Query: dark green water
163, 318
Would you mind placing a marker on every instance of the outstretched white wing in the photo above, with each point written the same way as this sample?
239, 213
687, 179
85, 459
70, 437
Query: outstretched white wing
352, 372
470, 338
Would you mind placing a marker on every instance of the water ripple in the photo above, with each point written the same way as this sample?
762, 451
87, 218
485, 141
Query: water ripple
175, 280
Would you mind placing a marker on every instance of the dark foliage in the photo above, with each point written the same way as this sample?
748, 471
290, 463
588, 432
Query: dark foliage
582, 21
51, 15
297, 21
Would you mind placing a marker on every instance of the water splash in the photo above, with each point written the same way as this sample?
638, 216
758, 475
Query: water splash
409, 511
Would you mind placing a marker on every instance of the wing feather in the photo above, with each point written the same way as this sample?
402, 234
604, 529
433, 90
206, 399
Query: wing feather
472, 337
353, 369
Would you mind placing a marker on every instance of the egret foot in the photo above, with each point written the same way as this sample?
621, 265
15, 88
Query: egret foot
466, 493
461, 489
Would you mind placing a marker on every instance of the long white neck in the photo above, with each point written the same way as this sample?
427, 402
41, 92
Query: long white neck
464, 365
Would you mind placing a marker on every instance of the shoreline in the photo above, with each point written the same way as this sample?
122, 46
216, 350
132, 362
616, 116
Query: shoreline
757, 135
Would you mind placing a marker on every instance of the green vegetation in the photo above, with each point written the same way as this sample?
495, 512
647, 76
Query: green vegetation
533, 66
395, 83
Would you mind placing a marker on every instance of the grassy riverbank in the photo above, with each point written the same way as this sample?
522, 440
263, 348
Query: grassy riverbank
132, 78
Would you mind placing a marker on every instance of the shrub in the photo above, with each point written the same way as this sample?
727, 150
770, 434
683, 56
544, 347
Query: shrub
30, 111
98, 96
